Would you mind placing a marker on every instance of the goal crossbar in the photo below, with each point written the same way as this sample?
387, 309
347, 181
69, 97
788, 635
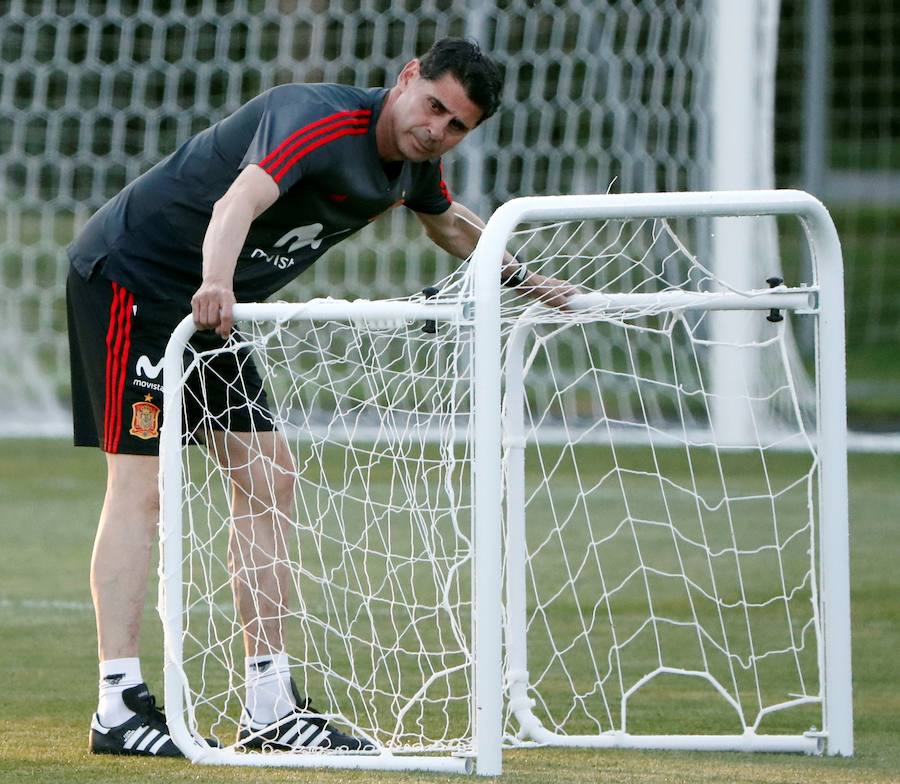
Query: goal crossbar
799, 299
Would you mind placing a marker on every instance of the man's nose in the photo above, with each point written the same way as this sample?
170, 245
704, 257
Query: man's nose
436, 130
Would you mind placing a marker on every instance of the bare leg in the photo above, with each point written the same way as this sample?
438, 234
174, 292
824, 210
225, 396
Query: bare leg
121, 557
261, 471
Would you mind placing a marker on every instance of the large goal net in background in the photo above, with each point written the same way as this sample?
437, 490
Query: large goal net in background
598, 96
838, 133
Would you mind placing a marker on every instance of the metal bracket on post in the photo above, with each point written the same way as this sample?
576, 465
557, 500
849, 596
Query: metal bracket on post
430, 326
774, 314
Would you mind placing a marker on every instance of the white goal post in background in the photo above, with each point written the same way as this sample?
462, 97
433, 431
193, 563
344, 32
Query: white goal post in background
683, 558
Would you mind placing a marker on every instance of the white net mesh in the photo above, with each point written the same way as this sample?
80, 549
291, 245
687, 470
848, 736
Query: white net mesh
645, 339
647, 564
372, 547
685, 556
688, 556
679, 555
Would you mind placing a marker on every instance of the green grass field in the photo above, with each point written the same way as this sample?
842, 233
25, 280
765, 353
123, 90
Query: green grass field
50, 497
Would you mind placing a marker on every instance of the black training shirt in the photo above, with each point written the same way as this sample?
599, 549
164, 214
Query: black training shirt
317, 141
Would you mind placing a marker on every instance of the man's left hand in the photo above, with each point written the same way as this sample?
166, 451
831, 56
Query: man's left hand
552, 292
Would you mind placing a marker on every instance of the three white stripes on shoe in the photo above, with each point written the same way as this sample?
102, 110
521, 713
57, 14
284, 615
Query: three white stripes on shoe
142, 738
302, 734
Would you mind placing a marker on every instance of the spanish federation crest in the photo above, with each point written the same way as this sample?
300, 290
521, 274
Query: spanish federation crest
145, 419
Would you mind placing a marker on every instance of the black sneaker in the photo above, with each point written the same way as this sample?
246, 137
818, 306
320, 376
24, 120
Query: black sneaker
302, 728
144, 734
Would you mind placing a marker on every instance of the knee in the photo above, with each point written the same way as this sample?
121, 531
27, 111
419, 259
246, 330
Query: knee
266, 486
134, 482
263, 476
284, 487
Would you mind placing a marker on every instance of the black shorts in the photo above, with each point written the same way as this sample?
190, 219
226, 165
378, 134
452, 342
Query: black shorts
117, 340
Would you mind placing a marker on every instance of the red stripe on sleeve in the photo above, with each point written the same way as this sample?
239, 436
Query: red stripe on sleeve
324, 140
281, 149
361, 125
445, 191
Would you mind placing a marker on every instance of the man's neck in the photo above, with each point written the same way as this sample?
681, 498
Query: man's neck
384, 127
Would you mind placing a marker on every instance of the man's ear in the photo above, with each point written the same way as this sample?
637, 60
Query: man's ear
408, 74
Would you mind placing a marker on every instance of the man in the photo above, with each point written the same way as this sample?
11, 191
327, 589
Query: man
233, 215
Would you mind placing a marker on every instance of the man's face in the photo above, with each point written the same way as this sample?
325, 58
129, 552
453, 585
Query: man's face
429, 117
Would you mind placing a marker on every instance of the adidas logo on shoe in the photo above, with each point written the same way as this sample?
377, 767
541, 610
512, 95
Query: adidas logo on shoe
145, 734
301, 729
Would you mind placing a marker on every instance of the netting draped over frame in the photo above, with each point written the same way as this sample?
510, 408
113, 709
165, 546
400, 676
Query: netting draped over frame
658, 564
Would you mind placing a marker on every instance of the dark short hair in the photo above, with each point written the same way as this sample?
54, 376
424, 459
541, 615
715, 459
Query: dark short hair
473, 69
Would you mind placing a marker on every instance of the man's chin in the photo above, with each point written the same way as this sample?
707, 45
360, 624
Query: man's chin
418, 154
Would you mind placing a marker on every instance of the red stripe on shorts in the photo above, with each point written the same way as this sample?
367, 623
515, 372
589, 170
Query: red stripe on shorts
118, 342
110, 342
123, 367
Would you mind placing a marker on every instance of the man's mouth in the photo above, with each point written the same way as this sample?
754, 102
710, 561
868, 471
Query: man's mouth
424, 148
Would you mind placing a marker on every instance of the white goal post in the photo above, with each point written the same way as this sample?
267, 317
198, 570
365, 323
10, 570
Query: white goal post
619, 571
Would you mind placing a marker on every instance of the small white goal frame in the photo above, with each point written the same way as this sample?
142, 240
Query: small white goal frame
825, 300
486, 610
824, 297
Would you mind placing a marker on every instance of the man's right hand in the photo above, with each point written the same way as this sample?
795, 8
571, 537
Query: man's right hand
251, 194
212, 307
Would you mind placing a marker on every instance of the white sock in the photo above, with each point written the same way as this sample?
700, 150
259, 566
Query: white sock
268, 680
116, 675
